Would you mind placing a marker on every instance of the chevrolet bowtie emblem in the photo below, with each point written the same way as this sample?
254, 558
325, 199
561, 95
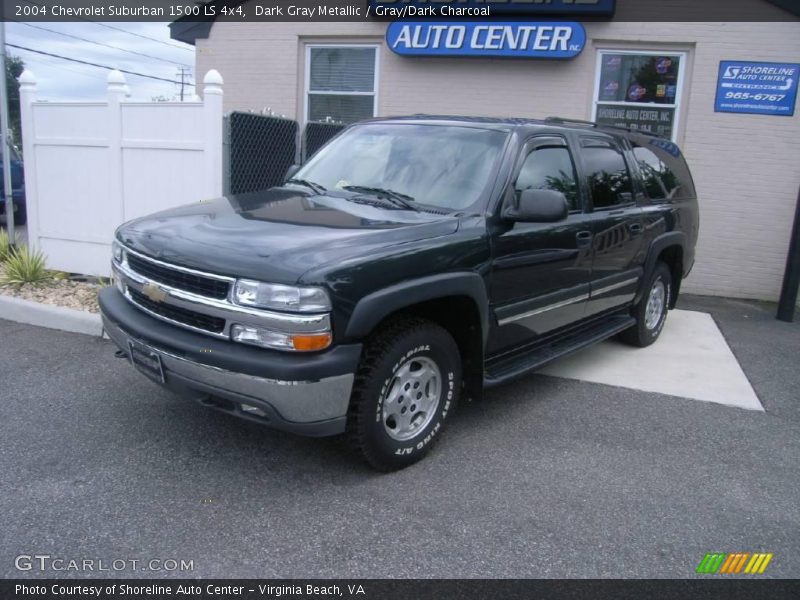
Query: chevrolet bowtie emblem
155, 293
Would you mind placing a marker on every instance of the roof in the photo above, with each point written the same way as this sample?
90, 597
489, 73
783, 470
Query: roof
189, 29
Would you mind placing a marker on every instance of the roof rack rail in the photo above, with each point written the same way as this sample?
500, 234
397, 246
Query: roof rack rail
595, 124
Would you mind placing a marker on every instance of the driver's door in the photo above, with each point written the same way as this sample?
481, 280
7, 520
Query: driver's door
540, 271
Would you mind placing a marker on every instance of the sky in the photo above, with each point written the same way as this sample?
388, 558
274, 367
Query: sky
64, 80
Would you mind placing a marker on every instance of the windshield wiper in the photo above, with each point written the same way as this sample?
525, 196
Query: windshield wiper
399, 199
316, 187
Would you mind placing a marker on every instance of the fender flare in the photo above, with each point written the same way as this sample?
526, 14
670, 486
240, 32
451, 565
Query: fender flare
374, 307
663, 241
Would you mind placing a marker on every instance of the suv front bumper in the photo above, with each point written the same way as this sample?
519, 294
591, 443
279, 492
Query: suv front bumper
302, 393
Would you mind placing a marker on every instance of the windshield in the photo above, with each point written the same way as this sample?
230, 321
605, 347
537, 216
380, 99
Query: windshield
442, 166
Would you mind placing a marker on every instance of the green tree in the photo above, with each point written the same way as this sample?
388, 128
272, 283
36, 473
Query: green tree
14, 68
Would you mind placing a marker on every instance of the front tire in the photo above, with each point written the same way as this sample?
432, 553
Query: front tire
651, 311
406, 386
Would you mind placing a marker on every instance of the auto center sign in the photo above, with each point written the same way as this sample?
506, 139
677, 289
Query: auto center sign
512, 39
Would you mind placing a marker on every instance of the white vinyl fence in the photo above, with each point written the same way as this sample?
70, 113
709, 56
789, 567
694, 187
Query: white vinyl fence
90, 166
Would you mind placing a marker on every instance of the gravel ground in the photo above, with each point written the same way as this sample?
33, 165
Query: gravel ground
80, 295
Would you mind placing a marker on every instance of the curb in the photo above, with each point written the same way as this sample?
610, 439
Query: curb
53, 317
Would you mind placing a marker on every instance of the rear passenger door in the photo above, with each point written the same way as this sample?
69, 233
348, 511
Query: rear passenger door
616, 222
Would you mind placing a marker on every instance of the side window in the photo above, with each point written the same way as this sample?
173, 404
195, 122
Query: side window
550, 168
665, 173
607, 173
654, 172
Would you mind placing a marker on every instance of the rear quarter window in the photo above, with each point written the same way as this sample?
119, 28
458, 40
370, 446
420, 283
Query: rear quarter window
664, 170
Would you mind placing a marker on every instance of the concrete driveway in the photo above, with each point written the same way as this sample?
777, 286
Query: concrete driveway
547, 477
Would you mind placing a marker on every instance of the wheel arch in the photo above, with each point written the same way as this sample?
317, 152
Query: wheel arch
669, 249
458, 302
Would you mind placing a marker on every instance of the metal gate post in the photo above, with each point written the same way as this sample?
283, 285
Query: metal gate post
791, 279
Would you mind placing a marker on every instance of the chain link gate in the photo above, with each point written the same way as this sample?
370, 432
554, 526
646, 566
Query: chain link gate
259, 150
316, 135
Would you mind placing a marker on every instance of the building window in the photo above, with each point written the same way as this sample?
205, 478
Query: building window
640, 90
341, 83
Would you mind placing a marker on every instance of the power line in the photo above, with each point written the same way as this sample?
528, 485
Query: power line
91, 64
76, 37
152, 39
47, 65
146, 37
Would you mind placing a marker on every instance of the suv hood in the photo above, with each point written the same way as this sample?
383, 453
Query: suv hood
278, 234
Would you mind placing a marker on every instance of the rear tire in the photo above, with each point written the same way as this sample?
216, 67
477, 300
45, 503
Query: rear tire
651, 311
406, 386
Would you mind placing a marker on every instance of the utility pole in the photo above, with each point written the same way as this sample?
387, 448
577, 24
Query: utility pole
4, 145
182, 73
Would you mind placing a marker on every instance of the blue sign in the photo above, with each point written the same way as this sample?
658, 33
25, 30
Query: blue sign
467, 8
757, 88
512, 39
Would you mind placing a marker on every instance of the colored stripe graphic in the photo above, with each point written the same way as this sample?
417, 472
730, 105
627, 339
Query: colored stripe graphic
733, 563
758, 563
711, 563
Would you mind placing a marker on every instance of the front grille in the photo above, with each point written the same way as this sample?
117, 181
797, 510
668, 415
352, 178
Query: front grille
181, 315
197, 284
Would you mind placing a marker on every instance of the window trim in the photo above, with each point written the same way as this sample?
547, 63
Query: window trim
307, 76
534, 143
677, 105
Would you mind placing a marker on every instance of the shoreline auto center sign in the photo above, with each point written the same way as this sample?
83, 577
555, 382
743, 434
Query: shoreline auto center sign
512, 39
757, 88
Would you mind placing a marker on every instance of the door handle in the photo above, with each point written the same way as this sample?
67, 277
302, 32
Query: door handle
584, 238
635, 228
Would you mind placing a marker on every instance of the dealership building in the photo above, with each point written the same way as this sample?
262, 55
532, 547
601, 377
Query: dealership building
724, 91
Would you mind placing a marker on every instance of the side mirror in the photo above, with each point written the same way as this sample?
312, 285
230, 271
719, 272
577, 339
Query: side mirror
290, 172
538, 206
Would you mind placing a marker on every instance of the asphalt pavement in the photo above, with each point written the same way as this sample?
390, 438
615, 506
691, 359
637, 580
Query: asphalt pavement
547, 477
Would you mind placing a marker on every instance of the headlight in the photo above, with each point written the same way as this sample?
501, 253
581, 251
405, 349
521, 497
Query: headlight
116, 250
280, 297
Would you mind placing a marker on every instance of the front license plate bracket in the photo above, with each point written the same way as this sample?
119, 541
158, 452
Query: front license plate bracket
146, 360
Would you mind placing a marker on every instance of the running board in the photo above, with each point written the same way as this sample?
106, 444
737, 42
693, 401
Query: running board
521, 364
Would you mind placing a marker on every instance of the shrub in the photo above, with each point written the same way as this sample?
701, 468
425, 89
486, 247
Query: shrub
24, 266
5, 245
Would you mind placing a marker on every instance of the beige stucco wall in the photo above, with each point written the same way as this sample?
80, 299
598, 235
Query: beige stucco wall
746, 167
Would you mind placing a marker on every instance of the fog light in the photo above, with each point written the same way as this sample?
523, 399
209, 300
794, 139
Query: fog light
120, 284
256, 336
252, 410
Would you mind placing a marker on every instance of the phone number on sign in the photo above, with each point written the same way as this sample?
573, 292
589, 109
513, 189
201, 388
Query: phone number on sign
758, 97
